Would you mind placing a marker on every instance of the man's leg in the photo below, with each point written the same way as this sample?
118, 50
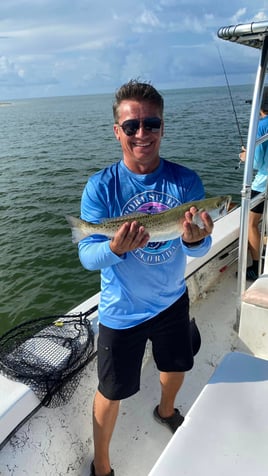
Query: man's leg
254, 236
105, 413
254, 241
171, 383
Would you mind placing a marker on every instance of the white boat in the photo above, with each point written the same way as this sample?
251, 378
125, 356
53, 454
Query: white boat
224, 397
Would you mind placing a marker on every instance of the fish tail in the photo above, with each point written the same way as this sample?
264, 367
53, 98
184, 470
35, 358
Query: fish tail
77, 232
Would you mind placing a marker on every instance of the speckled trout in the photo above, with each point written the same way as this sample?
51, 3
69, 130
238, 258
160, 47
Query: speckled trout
163, 226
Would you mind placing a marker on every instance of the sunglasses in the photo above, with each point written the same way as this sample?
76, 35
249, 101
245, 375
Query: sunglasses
151, 124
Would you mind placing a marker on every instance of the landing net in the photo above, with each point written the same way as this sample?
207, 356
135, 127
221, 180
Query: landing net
48, 355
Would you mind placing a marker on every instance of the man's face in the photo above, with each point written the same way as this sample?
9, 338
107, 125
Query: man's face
140, 150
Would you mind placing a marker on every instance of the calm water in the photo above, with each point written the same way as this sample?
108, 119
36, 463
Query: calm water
49, 147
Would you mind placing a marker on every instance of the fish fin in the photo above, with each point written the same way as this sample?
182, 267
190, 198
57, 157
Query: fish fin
77, 232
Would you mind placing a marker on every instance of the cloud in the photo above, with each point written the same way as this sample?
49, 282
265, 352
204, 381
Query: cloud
9, 72
240, 13
260, 16
67, 47
149, 18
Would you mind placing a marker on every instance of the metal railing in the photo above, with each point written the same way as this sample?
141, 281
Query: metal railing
248, 175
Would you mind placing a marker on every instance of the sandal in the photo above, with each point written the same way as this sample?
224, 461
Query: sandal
92, 471
173, 422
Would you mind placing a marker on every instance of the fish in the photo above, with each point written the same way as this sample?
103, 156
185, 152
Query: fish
163, 226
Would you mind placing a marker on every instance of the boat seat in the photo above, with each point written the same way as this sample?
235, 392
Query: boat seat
225, 431
253, 326
17, 402
257, 293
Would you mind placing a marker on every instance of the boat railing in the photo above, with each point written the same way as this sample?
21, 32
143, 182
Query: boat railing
254, 34
248, 171
262, 139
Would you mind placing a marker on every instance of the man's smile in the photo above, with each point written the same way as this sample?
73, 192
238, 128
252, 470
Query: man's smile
139, 144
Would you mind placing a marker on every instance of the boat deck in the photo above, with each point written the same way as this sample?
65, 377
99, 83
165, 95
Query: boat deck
138, 440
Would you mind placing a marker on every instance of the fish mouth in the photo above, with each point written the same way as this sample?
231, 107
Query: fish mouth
223, 208
225, 205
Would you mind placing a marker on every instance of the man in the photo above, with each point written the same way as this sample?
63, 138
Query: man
143, 291
258, 186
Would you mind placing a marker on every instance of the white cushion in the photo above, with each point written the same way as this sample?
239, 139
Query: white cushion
17, 401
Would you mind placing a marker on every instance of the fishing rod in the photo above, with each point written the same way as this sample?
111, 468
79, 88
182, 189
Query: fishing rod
231, 98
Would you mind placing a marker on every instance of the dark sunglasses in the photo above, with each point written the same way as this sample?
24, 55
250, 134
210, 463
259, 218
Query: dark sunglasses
131, 126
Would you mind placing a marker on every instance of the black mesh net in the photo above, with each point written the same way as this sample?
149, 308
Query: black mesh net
48, 355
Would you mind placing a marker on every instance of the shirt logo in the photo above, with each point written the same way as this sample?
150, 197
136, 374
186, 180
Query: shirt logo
153, 202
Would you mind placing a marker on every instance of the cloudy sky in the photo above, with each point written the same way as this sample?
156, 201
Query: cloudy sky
69, 47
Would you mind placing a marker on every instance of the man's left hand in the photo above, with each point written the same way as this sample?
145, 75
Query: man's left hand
192, 232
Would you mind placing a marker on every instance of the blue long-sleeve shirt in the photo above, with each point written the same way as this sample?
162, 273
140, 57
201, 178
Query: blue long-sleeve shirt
261, 158
141, 283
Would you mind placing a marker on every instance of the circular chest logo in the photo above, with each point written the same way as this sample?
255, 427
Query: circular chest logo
153, 202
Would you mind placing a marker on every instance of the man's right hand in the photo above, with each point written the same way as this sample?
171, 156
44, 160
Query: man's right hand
129, 237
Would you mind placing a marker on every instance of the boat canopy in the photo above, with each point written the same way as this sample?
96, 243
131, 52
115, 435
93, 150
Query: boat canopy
250, 34
253, 34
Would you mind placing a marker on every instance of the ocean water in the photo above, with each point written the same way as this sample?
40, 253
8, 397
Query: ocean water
49, 148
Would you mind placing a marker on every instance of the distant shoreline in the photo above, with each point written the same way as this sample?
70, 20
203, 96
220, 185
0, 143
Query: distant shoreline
5, 103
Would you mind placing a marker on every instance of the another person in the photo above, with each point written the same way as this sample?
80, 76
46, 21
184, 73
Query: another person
143, 290
258, 186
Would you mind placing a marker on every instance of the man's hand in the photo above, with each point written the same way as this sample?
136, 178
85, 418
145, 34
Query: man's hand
129, 237
242, 155
193, 233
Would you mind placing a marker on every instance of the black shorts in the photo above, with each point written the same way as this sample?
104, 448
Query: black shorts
120, 352
259, 208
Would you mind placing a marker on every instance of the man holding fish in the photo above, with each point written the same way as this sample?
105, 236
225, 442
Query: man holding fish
143, 290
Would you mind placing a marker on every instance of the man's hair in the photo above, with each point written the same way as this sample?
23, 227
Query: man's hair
137, 91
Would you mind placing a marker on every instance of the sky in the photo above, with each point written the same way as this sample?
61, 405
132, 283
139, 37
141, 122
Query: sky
70, 47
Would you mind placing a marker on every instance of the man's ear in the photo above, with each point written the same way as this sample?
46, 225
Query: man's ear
116, 131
